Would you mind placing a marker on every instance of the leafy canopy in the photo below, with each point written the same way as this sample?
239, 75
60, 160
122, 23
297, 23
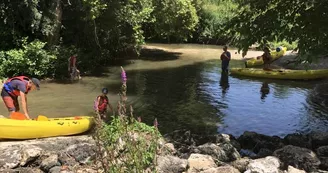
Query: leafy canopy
292, 20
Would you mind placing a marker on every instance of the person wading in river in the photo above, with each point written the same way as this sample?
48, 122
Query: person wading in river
18, 86
225, 58
101, 104
72, 69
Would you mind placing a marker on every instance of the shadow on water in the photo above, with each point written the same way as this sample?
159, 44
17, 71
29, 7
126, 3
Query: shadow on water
173, 97
158, 55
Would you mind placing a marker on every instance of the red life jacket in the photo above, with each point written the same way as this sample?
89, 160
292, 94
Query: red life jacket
71, 60
103, 102
11, 90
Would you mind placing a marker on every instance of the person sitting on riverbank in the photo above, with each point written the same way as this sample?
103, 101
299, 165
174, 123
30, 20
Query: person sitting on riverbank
72, 69
266, 58
101, 104
225, 58
18, 86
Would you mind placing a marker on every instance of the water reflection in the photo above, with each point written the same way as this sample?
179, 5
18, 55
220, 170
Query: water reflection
173, 96
224, 82
202, 99
265, 90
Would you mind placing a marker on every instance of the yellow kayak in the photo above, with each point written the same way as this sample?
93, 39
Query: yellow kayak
275, 55
281, 73
48, 127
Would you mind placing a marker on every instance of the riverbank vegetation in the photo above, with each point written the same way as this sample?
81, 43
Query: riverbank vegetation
38, 37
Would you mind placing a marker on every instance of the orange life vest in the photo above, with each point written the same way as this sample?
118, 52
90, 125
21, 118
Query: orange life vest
103, 102
12, 91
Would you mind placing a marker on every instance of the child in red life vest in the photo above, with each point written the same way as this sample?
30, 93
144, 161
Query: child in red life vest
101, 104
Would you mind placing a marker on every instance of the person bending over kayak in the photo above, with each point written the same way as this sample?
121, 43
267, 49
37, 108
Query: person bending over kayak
101, 104
266, 58
18, 86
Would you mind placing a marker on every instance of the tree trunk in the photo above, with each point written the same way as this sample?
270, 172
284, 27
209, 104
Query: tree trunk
56, 7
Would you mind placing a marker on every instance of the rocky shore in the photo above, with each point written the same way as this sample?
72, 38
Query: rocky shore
290, 61
181, 152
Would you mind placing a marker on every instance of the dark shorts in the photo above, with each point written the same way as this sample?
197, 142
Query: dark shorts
10, 101
225, 65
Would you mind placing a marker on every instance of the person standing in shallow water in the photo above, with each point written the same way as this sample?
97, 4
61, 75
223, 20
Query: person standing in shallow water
72, 69
225, 58
101, 104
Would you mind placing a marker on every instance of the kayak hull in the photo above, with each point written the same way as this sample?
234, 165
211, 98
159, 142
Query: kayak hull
257, 62
281, 73
31, 129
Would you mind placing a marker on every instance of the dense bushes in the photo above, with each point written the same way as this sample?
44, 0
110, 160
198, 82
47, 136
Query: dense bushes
28, 59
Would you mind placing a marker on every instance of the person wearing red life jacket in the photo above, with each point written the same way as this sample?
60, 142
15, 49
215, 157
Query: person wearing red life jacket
101, 104
18, 86
72, 69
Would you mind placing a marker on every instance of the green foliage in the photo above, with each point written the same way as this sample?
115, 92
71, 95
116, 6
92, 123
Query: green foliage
130, 145
284, 43
61, 64
135, 13
131, 142
95, 7
266, 20
31, 59
125, 144
175, 19
214, 16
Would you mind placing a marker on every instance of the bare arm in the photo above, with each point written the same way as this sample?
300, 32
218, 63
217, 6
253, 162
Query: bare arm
97, 103
24, 104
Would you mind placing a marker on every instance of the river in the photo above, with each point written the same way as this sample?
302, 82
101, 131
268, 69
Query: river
182, 86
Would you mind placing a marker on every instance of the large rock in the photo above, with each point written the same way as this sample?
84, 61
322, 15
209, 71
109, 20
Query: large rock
297, 157
324, 163
254, 141
171, 164
224, 152
319, 139
221, 169
264, 165
66, 159
200, 162
322, 151
49, 162
82, 153
290, 61
294, 170
299, 140
29, 154
167, 149
241, 164
10, 157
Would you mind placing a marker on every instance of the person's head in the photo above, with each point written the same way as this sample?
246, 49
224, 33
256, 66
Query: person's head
104, 91
225, 48
33, 84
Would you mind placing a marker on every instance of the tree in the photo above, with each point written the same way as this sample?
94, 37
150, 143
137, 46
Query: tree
292, 20
174, 19
214, 15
